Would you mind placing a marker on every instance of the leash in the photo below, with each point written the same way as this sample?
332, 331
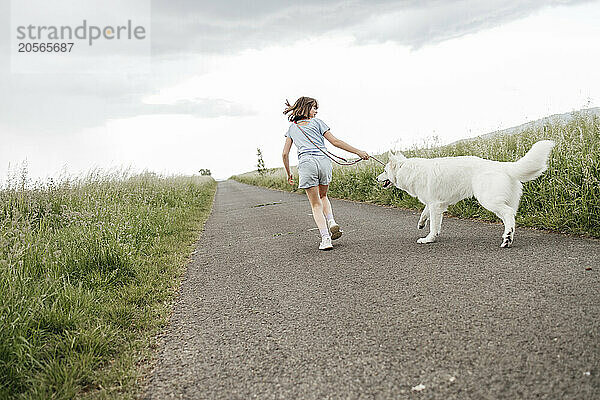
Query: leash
331, 155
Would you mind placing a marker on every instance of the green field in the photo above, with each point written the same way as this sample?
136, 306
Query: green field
566, 198
88, 269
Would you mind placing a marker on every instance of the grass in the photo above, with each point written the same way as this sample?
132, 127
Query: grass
566, 198
88, 269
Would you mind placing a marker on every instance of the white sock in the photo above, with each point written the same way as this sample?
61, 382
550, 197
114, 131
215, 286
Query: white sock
324, 232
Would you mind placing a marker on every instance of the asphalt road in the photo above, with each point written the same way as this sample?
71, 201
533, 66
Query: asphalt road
263, 314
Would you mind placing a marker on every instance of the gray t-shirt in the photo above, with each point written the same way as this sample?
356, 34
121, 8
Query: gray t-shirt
315, 128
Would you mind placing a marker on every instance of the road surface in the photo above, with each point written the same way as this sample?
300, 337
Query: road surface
263, 314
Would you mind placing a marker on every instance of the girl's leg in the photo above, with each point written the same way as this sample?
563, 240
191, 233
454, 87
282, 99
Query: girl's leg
327, 210
317, 209
334, 228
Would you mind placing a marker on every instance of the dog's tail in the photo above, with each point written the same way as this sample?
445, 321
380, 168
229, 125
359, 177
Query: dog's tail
532, 164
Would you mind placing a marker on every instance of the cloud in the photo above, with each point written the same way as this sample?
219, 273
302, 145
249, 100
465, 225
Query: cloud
420, 26
185, 30
208, 26
199, 107
41, 110
229, 26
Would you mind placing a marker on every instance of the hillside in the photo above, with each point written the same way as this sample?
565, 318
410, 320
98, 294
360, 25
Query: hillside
553, 119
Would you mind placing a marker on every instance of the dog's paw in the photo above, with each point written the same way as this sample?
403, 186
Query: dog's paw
506, 243
425, 240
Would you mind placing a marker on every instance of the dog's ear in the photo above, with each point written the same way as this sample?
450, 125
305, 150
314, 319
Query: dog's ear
397, 157
396, 161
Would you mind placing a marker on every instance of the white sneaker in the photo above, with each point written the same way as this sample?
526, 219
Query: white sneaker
325, 243
334, 230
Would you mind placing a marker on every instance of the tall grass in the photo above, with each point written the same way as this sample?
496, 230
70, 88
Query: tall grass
87, 268
566, 198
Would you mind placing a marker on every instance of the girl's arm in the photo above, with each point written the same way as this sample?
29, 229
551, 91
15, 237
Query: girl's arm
340, 144
286, 159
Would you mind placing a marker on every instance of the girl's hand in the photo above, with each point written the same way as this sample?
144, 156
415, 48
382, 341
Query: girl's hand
290, 179
363, 155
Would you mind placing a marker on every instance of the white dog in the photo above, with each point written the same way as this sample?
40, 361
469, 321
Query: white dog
440, 182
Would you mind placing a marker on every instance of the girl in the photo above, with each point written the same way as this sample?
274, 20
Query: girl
314, 167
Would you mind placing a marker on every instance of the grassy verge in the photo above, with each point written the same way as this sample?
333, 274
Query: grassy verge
566, 198
88, 268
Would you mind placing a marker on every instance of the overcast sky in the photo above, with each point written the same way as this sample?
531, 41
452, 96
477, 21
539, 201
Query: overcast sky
386, 74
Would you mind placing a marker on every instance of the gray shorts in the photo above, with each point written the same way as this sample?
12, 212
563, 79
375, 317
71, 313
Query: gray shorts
314, 171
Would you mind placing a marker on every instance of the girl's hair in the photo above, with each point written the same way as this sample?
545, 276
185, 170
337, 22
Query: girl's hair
301, 108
